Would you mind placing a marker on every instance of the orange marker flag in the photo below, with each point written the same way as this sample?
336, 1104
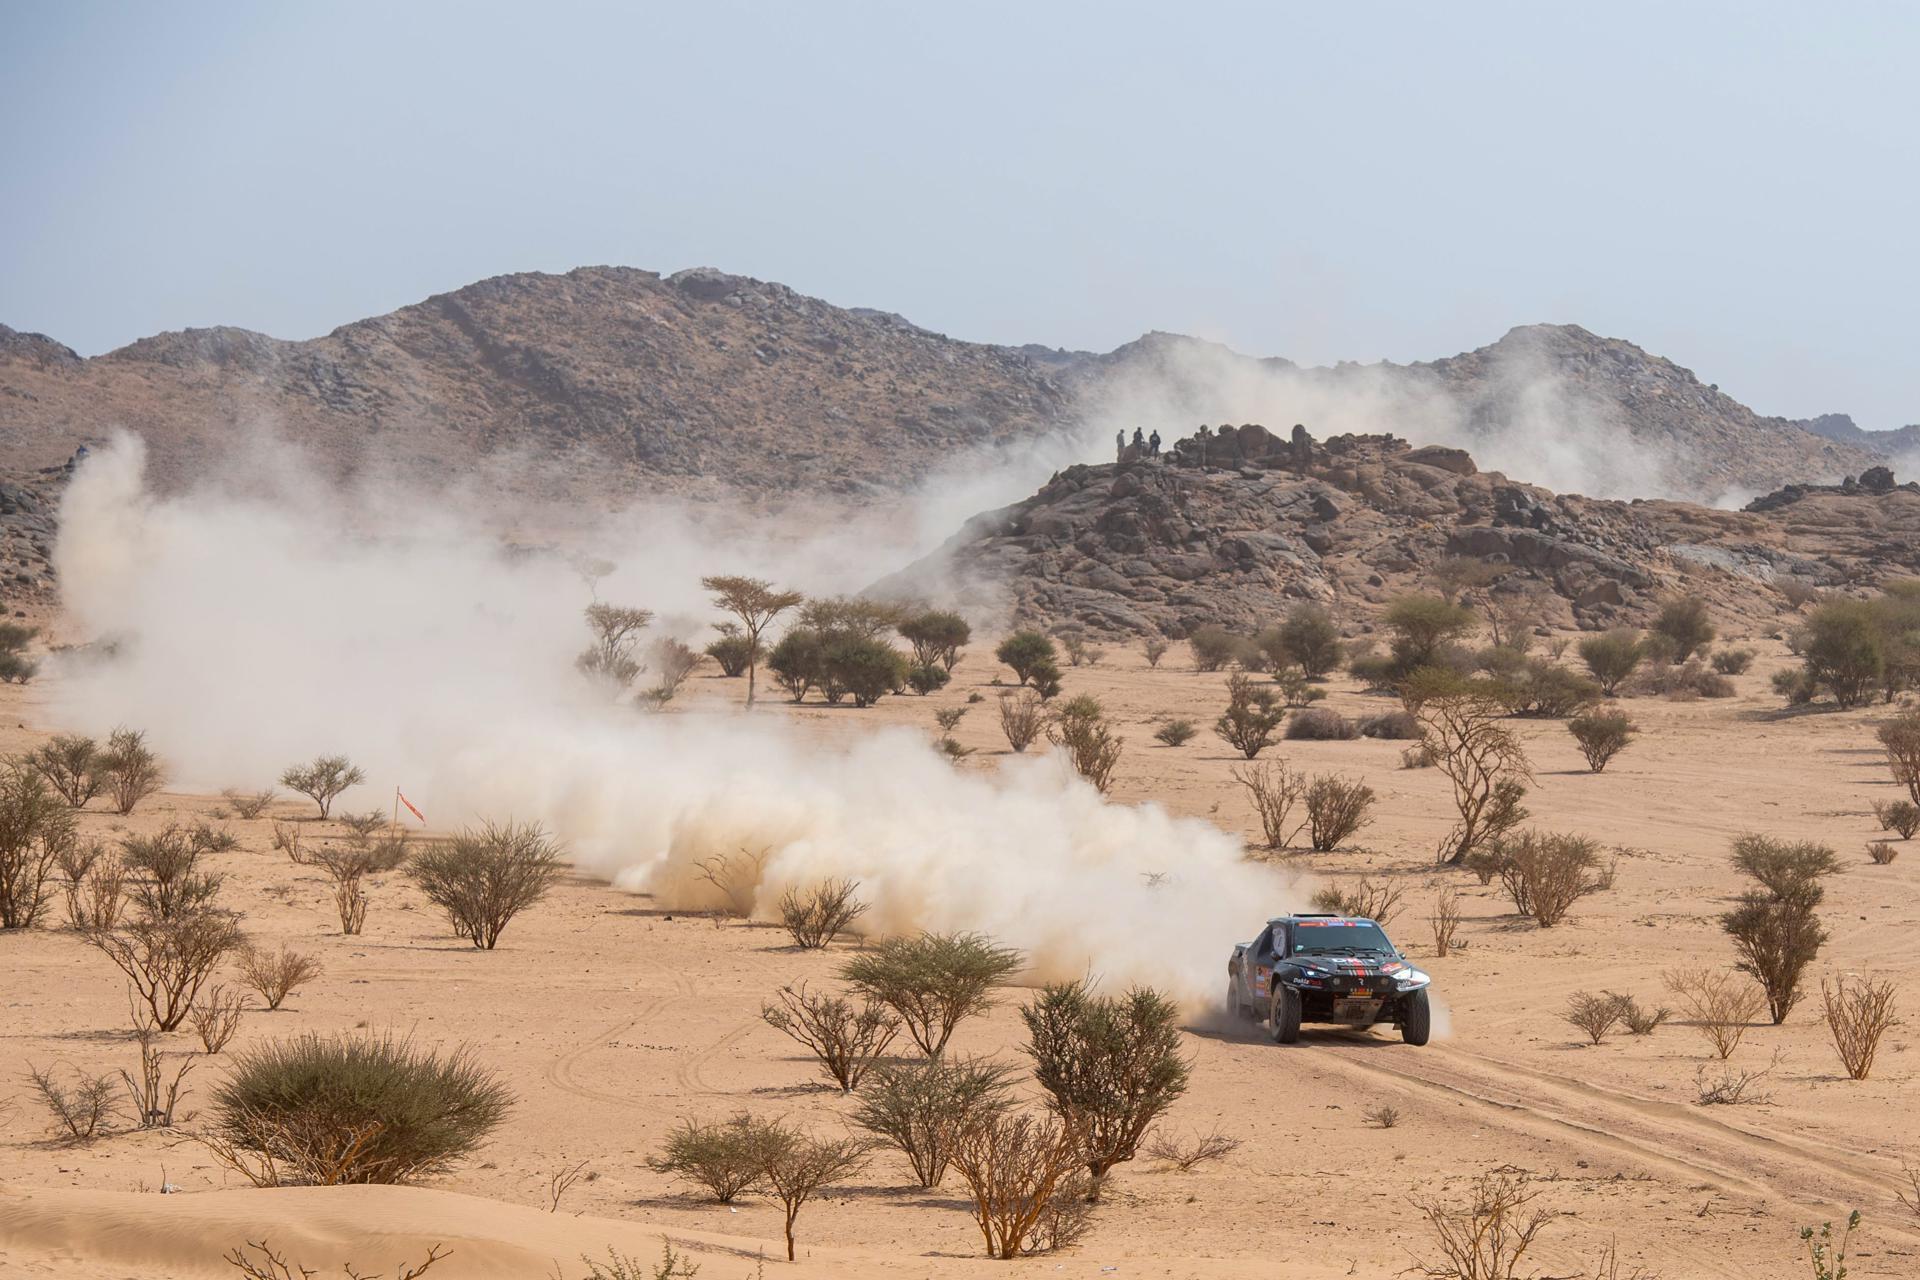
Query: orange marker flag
410, 809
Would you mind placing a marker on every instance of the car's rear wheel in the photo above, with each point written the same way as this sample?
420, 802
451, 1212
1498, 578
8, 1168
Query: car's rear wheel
1417, 1023
1283, 1015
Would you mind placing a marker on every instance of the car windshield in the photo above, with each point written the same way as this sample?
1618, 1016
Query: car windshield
1344, 937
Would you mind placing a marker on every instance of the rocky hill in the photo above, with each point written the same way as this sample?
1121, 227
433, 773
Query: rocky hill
1841, 427
1233, 527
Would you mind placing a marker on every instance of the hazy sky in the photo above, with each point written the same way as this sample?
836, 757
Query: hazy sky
1732, 185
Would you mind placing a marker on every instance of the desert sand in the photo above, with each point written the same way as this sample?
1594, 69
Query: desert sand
612, 1017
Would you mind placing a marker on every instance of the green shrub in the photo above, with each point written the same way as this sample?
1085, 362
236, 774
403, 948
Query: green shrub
1321, 724
71, 765
1251, 717
1602, 735
934, 981
36, 831
1336, 809
1775, 940
1732, 662
1547, 690
323, 780
483, 878
1843, 651
1309, 639
726, 1158
1176, 733
1421, 625
1612, 657
1027, 653
1684, 622
130, 769
918, 1106
1080, 728
1215, 647
733, 651
937, 637
1790, 871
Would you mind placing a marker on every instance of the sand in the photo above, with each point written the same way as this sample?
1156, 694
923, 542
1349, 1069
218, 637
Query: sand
612, 1018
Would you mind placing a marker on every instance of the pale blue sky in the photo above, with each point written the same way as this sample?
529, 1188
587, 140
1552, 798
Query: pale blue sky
1732, 185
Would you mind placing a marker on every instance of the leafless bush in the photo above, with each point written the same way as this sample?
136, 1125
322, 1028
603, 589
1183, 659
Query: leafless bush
1366, 900
272, 1264
81, 1110
1463, 733
814, 917
1909, 1198
483, 878
1445, 921
1594, 1015
168, 961
1382, 1115
348, 869
1156, 649
673, 662
1336, 809
846, 1039
1320, 724
95, 889
1487, 1237
1901, 816
250, 804
1720, 1003
274, 975
365, 824
71, 765
1015, 1167
1545, 873
1275, 790
323, 780
167, 880
36, 830
1881, 852
1729, 1086
1638, 1019
1900, 738
216, 1017
561, 1181
1775, 940
1416, 756
153, 1094
919, 1107
1176, 733
736, 875
1082, 730
1859, 1012
799, 1165
129, 769
1023, 715
1187, 1153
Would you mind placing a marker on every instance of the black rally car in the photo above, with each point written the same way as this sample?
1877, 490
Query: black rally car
1323, 968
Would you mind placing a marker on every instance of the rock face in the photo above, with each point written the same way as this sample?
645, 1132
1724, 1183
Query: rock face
1236, 526
1840, 427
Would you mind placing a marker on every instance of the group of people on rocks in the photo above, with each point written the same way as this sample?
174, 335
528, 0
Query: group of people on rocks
1144, 446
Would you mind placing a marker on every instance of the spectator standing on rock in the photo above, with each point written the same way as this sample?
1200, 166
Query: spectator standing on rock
1120, 444
1139, 440
1153, 443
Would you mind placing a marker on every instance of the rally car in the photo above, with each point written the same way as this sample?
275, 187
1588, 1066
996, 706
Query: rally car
1324, 968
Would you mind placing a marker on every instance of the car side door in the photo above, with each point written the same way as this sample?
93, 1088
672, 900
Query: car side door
1261, 958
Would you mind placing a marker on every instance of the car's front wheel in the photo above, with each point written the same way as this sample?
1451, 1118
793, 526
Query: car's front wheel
1283, 1015
1417, 1022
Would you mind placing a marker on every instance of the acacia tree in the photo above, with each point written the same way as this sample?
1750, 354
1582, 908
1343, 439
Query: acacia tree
755, 604
1461, 732
610, 659
323, 780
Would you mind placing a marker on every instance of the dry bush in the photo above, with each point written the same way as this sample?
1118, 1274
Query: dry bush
275, 975
167, 880
1336, 809
1080, 728
1390, 726
847, 1040
1445, 921
673, 661
1015, 1168
1487, 1237
250, 804
1156, 649
36, 830
1215, 647
1023, 715
1900, 738
1187, 1154
1732, 662
1685, 624
934, 981
129, 768
1790, 871
1545, 873
1462, 733
323, 780
1775, 941
1720, 1003
216, 1017
71, 765
1602, 735
1859, 1013
1909, 1198
726, 1158
326, 1110
1111, 1066
348, 869
1612, 657
153, 1094
1176, 733
272, 1264
484, 878
1275, 790
1416, 757
736, 875
919, 1107
949, 718
799, 1165
733, 651
1900, 816
96, 887
1366, 900
81, 1110
1297, 690
1881, 852
1252, 715
1381, 1116
1321, 724
365, 824
817, 916
1637, 1018
1594, 1015
1729, 1086
168, 961
1081, 652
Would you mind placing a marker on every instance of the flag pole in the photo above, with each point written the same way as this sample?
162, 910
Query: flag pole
396, 810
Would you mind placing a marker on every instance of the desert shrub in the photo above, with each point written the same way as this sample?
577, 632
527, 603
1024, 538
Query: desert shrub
1881, 852
216, 1017
1176, 733
482, 879
1900, 816
1252, 715
866, 669
1594, 1015
1214, 648
167, 961
275, 1264
799, 664
71, 765
608, 660
1547, 690
1308, 638
1460, 731
1733, 1086
1081, 652
1026, 653
1545, 873
323, 780
846, 1039
1368, 900
1445, 920
1859, 1012
1602, 735
1842, 651
816, 916
1639, 1019
1377, 673
1080, 728
726, 1158
168, 882
753, 605
1186, 1155
1023, 717
80, 1110
732, 651
673, 661
1789, 870
349, 869
1017, 1169
1794, 686
736, 875
919, 1107
933, 981
1416, 756
275, 975
1732, 662
1296, 690
1390, 726
1321, 724
1684, 622
1156, 649
15, 666
949, 718
1489, 1236
1336, 809
363, 824
925, 678
1110, 1066
332, 1110
937, 637
36, 830
95, 888
130, 769
1720, 1003
1900, 740
798, 1165
1684, 681
1612, 657
1275, 790
1775, 940
1421, 625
